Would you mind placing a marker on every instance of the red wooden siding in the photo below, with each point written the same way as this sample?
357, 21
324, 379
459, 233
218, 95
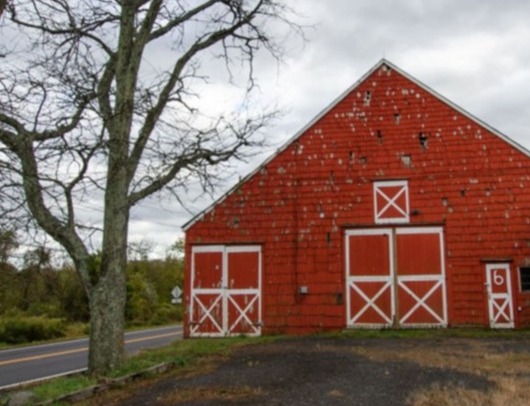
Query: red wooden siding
461, 177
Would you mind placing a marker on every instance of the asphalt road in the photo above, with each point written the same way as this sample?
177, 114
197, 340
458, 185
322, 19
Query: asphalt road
39, 362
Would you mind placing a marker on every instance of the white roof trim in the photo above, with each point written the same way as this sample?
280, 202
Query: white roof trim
382, 62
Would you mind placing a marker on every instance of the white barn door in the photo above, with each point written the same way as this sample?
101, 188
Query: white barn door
225, 291
395, 277
499, 288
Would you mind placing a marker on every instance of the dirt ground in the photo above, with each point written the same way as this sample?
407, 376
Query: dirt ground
348, 371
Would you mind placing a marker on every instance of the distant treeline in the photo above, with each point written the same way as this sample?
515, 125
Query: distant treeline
42, 300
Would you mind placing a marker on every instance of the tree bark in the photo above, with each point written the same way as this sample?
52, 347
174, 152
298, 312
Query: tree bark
107, 298
107, 304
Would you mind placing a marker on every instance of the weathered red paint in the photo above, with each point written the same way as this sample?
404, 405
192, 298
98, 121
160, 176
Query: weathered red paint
461, 175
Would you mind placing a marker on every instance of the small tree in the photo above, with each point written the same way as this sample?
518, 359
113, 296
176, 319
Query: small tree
3, 5
8, 243
85, 115
10, 286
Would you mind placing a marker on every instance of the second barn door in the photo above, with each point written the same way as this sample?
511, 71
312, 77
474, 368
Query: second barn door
395, 277
225, 291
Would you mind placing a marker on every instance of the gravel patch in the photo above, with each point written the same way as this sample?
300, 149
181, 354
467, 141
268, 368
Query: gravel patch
309, 371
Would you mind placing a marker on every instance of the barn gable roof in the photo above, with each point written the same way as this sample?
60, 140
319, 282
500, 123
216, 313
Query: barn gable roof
338, 100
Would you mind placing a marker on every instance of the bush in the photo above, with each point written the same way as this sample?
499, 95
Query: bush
20, 329
167, 313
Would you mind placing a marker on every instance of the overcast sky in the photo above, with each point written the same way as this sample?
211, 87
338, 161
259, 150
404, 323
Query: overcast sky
473, 52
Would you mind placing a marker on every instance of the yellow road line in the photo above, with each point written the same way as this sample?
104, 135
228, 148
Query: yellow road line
58, 354
36, 357
137, 340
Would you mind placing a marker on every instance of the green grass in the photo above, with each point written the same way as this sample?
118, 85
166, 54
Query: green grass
61, 386
55, 388
72, 331
183, 353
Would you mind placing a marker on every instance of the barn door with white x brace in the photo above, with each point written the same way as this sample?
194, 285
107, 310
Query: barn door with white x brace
369, 278
225, 291
395, 277
499, 295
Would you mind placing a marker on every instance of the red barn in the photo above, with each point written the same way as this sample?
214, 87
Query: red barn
392, 208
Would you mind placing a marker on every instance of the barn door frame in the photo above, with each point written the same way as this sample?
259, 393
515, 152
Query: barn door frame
396, 283
225, 296
500, 303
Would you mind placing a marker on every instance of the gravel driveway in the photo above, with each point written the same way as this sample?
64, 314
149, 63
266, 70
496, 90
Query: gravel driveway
346, 371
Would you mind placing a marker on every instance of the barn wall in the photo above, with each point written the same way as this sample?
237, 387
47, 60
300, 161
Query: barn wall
460, 175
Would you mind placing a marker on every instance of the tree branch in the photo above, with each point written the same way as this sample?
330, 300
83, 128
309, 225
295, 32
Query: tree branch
64, 234
154, 113
175, 22
73, 32
206, 152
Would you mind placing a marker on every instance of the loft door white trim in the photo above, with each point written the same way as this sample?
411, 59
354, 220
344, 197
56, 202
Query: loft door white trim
391, 202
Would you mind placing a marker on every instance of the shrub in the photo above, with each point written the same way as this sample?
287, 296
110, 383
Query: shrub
167, 313
21, 329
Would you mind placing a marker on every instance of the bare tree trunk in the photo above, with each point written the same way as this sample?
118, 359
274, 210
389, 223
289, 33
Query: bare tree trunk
107, 298
107, 303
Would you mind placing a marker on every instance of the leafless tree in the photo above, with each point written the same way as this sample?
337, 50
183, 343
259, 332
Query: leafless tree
89, 108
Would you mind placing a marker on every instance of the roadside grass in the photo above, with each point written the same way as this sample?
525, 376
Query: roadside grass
61, 386
71, 331
184, 353
187, 355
